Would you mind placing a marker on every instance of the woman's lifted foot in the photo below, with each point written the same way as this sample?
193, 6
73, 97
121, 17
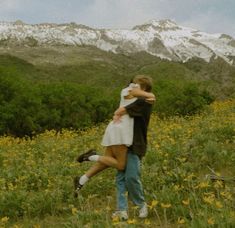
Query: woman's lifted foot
85, 157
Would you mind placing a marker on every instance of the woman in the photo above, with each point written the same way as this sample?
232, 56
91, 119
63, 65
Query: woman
118, 134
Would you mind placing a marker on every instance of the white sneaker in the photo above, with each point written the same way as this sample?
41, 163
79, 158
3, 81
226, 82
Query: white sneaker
121, 215
143, 213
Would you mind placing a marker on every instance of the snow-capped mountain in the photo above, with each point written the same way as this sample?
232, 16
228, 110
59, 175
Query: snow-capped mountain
163, 38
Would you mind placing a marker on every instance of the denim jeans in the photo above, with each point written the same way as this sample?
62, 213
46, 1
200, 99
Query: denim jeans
129, 181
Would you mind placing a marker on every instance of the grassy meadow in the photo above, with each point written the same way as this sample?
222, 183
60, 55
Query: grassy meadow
36, 175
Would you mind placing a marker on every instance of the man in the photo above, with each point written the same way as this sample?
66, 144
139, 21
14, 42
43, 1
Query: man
128, 180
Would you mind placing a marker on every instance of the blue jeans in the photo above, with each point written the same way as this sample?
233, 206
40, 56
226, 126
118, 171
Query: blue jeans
129, 181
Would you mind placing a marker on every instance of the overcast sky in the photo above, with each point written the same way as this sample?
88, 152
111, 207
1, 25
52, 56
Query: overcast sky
213, 16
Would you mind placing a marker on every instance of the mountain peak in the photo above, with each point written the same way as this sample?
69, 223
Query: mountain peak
18, 22
159, 25
167, 23
162, 38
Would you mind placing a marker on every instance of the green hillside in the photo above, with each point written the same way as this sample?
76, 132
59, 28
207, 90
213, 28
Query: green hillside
94, 67
63, 87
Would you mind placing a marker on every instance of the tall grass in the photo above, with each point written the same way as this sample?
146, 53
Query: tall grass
36, 176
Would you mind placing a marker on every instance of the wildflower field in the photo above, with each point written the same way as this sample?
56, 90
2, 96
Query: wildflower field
36, 188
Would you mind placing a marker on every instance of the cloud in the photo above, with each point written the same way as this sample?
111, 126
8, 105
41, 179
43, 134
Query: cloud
12, 9
210, 16
118, 14
211, 22
9, 4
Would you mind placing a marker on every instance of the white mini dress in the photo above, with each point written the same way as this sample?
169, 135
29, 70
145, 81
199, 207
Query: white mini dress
121, 133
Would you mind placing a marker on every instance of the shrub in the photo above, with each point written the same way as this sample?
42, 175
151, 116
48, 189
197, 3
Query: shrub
180, 98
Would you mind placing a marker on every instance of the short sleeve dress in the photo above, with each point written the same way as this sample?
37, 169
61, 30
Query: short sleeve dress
121, 133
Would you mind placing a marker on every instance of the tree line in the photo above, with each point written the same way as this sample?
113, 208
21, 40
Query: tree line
28, 108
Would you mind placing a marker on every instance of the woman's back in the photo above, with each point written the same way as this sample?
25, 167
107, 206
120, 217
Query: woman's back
124, 101
121, 133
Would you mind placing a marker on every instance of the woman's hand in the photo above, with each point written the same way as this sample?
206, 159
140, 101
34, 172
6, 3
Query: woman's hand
120, 111
136, 92
151, 100
117, 118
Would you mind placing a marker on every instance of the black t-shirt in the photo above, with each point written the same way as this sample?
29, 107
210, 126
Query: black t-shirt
140, 110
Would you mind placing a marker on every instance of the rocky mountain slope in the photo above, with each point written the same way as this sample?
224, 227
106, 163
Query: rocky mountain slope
164, 39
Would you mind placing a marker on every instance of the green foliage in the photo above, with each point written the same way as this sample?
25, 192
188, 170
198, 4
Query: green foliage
85, 90
90, 66
13, 67
27, 109
165, 70
180, 98
66, 105
19, 107
209, 140
217, 76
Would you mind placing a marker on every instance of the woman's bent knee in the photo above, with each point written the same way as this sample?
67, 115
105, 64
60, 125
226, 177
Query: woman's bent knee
121, 167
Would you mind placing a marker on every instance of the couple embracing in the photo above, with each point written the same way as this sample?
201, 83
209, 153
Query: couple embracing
125, 142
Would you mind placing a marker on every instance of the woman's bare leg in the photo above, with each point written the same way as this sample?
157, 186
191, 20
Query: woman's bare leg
98, 166
118, 158
115, 156
120, 153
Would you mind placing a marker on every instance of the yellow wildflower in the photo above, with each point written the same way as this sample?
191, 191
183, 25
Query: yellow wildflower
204, 185
232, 214
226, 195
36, 226
176, 187
108, 208
131, 221
4, 219
10, 186
212, 194
208, 199
181, 220
97, 211
190, 177
218, 204
218, 184
185, 202
211, 221
135, 207
147, 222
74, 210
183, 159
16, 226
167, 205
153, 204
115, 219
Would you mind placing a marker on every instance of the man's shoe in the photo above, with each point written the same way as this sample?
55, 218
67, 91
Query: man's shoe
77, 186
143, 213
120, 215
85, 156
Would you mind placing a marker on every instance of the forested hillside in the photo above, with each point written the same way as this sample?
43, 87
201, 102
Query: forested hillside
63, 87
